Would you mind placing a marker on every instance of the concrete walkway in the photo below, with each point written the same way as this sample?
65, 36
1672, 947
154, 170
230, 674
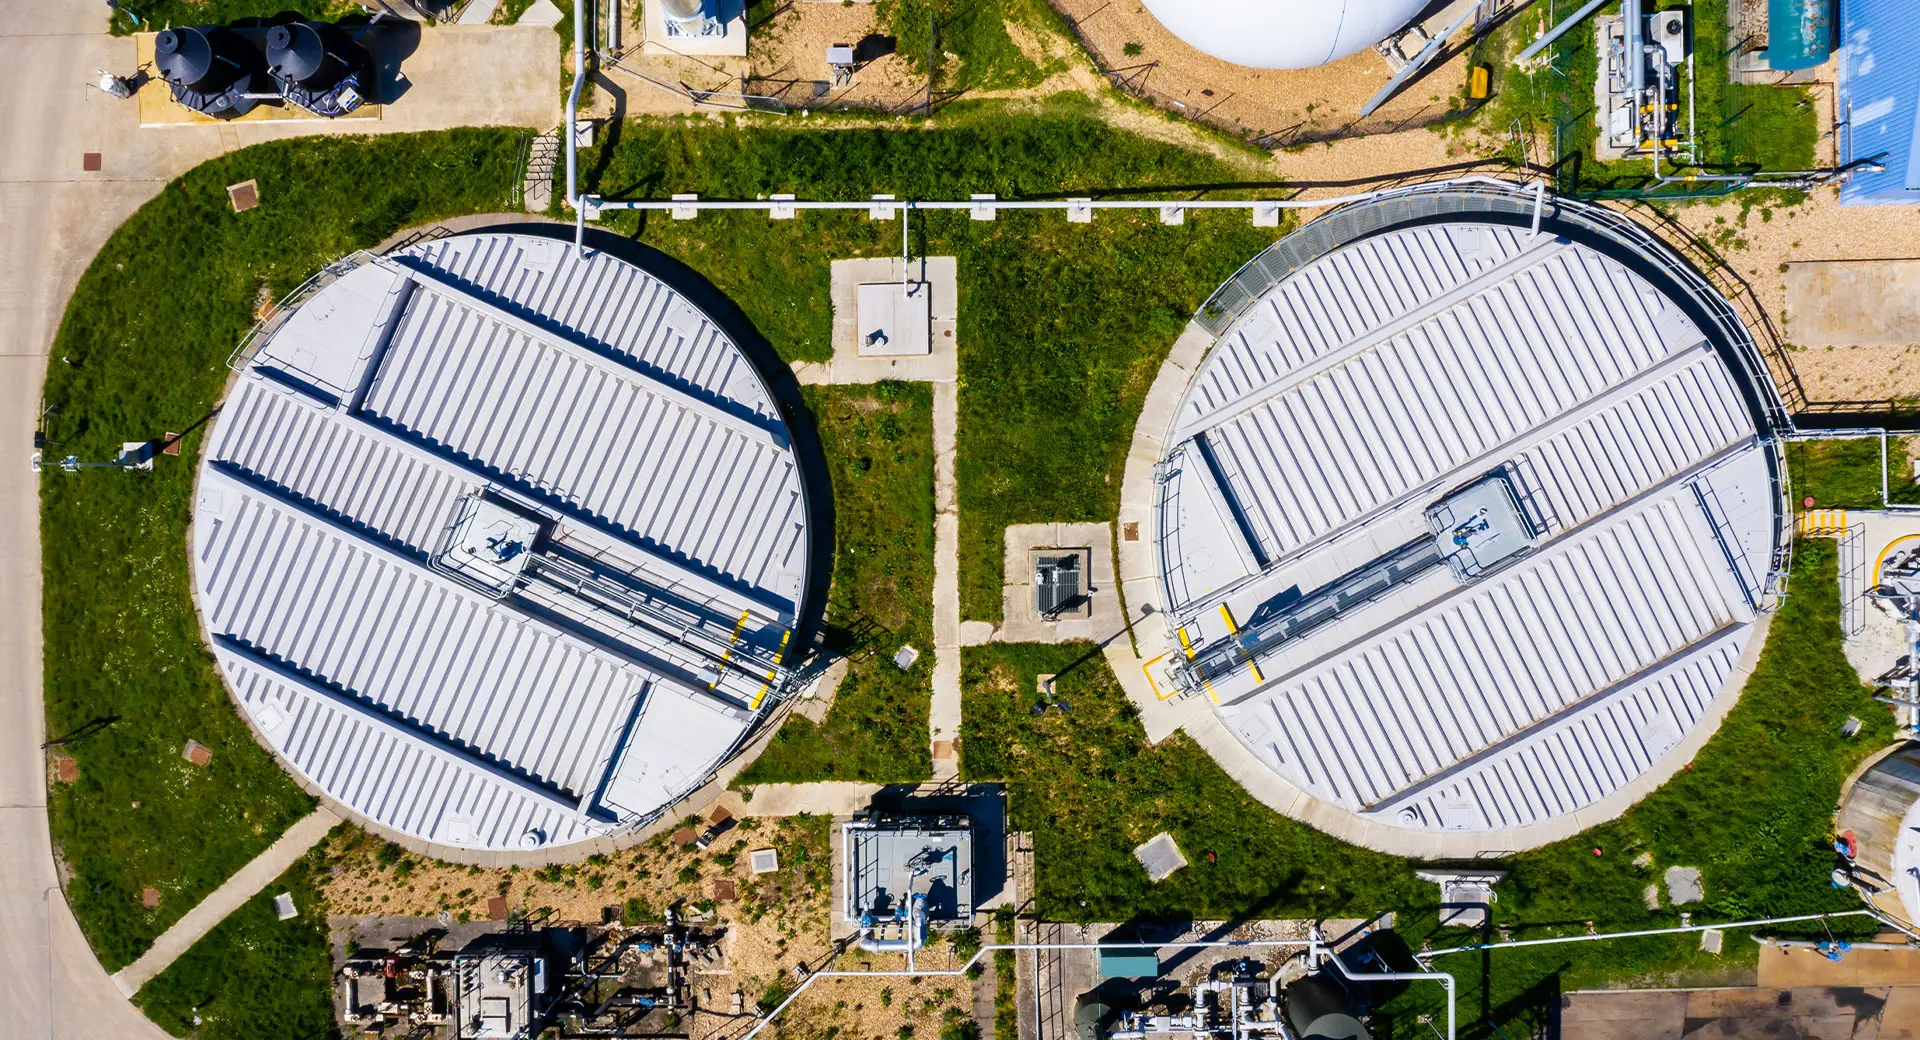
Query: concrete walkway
944, 716
54, 217
230, 896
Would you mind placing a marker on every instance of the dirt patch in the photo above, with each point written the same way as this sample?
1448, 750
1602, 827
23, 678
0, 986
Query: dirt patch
1758, 233
1272, 107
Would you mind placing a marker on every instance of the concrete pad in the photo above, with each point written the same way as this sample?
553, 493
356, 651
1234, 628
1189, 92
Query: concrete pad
894, 319
1160, 856
1853, 303
543, 14
731, 42
1022, 622
939, 364
1684, 886
1793, 967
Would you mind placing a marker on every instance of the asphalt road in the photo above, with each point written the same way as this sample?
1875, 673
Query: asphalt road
54, 216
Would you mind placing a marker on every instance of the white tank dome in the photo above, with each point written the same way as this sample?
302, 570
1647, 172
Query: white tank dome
1283, 34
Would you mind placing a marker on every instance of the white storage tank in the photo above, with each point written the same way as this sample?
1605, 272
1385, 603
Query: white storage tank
1283, 34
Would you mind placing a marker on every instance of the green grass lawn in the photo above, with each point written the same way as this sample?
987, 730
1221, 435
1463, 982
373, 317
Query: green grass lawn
1090, 789
1062, 327
1845, 474
142, 351
1753, 812
879, 446
972, 49
160, 14
1738, 127
254, 977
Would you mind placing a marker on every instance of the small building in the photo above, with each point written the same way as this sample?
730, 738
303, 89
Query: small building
906, 874
1880, 816
500, 989
1878, 101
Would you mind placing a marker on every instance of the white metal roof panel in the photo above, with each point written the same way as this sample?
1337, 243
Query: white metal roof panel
627, 430
1368, 385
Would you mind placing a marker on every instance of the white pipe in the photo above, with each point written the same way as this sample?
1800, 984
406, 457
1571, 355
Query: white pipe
1515, 944
990, 948
1319, 952
1557, 31
573, 111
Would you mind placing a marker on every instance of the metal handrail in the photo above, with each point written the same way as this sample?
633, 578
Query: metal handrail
1354, 220
278, 314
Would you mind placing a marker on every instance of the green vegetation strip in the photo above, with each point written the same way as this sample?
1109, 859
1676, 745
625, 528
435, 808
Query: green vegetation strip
1846, 474
1062, 327
142, 352
1752, 812
254, 976
879, 446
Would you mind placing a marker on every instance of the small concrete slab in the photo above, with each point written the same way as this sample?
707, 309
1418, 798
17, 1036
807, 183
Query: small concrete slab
763, 861
895, 319
149, 897
725, 890
1853, 303
1684, 886
904, 658
244, 195
1651, 897
1096, 619
197, 753
283, 907
66, 770
854, 361
1712, 940
543, 13
684, 837
1160, 855
729, 42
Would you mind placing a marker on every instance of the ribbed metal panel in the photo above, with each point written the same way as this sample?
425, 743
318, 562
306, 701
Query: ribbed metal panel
1494, 661
1423, 403
424, 648
390, 778
1879, 100
669, 475
1368, 374
578, 398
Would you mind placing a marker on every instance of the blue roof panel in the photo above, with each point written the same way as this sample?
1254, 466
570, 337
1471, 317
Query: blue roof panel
1879, 101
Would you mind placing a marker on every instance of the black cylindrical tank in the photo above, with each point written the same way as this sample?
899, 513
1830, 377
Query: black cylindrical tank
1317, 1009
298, 53
184, 56
208, 69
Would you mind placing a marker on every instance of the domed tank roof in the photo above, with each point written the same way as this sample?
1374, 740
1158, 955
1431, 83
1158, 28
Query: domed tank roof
1283, 34
184, 55
295, 51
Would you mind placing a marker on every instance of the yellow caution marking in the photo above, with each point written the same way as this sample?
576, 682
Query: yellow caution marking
1187, 645
1233, 627
1815, 522
738, 627
1147, 670
765, 686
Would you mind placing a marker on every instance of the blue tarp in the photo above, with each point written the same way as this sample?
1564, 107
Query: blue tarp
1879, 100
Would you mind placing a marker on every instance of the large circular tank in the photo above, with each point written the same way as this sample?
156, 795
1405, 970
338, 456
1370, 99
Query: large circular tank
1881, 813
1283, 34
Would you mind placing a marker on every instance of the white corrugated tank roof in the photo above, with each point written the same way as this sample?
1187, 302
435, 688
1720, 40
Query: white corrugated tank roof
499, 544
1283, 34
1369, 387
